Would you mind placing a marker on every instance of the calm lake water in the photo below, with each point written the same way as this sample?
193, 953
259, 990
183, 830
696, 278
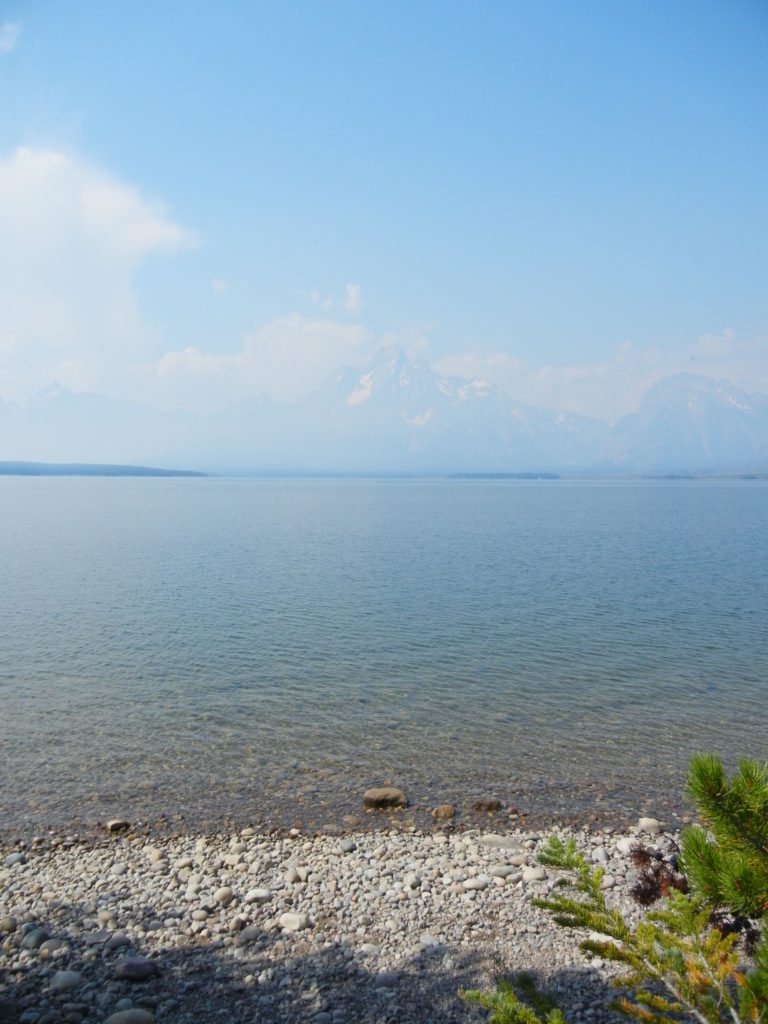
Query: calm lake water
265, 650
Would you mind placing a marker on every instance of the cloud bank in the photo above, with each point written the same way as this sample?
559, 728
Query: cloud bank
614, 387
284, 359
71, 240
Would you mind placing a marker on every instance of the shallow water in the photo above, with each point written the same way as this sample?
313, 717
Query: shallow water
267, 649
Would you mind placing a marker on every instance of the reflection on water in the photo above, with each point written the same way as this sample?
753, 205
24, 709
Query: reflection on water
268, 648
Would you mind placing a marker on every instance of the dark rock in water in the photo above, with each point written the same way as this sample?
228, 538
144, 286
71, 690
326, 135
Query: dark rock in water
383, 797
488, 803
118, 825
136, 968
444, 811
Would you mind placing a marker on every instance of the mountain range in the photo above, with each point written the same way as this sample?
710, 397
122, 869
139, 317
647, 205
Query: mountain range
396, 415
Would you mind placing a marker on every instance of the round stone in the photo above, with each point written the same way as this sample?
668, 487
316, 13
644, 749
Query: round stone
51, 946
64, 980
35, 938
258, 896
294, 922
118, 825
534, 874
497, 842
224, 896
478, 883
488, 804
132, 1016
383, 797
649, 825
501, 870
443, 812
136, 968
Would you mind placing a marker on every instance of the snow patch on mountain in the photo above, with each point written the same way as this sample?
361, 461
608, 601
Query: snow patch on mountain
418, 421
363, 390
396, 415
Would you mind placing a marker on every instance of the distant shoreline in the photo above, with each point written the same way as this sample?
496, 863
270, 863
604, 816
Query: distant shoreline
88, 469
93, 469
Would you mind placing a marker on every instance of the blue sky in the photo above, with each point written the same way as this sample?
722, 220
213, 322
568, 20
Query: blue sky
202, 202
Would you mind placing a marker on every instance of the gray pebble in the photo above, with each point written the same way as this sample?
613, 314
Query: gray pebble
64, 980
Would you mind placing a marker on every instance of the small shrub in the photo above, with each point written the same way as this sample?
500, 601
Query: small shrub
682, 961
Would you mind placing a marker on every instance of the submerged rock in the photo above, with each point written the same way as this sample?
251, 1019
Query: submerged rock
383, 797
118, 825
487, 803
443, 811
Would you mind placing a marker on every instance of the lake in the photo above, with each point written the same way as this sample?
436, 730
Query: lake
222, 650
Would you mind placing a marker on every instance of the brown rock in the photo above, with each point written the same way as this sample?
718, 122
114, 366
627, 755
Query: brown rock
382, 797
487, 803
444, 811
118, 825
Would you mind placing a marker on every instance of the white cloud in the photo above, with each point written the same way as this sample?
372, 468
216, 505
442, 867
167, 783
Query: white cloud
612, 388
10, 33
71, 239
284, 359
352, 298
320, 301
350, 302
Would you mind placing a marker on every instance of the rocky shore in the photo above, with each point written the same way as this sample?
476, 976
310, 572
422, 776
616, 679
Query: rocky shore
379, 926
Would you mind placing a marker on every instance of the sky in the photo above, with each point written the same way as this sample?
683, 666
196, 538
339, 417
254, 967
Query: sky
200, 203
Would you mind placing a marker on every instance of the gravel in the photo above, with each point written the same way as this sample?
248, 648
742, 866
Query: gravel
378, 927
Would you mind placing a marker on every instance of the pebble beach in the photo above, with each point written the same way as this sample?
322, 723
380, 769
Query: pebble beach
385, 925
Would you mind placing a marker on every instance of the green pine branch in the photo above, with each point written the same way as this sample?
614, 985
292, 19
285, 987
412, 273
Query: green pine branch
679, 966
729, 867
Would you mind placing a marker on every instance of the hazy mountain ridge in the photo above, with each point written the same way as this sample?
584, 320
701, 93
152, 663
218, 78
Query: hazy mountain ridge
692, 422
397, 415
